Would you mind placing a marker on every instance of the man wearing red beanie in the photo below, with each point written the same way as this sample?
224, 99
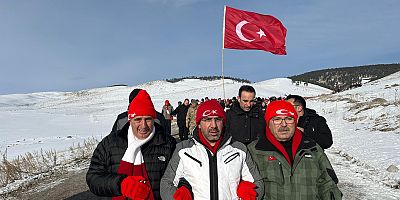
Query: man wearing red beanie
129, 163
211, 165
166, 110
122, 118
292, 166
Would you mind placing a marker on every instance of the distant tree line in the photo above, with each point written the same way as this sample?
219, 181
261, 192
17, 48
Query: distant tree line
207, 78
339, 79
116, 85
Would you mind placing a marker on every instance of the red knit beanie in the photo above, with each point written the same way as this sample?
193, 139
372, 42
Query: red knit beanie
280, 107
141, 105
209, 108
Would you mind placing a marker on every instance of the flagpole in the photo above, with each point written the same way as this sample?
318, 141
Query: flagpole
223, 82
222, 52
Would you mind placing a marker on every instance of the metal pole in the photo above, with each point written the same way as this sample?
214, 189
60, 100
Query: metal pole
222, 52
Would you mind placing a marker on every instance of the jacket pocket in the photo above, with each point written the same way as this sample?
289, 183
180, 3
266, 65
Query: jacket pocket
193, 158
274, 173
231, 157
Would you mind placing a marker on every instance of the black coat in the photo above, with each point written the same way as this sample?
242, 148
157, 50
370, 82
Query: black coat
315, 127
245, 126
102, 177
180, 113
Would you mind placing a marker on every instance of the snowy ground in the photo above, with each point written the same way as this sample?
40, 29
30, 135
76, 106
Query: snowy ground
365, 123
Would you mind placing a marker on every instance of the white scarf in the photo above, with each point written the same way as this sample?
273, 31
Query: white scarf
133, 154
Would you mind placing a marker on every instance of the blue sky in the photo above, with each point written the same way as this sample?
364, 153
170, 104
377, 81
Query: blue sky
73, 45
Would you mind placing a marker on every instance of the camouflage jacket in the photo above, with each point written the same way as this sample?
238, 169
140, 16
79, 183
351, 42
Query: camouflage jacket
191, 118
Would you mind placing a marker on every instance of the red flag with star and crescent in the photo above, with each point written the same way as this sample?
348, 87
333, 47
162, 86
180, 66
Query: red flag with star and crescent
249, 30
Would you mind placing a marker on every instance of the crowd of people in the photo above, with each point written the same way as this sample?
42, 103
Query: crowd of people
245, 148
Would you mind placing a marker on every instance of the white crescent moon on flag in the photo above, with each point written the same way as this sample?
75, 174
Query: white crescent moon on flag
239, 31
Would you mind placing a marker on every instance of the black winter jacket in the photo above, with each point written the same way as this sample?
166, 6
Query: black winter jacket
315, 127
244, 126
180, 113
102, 177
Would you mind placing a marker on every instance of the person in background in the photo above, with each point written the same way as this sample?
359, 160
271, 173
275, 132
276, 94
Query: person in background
130, 162
191, 116
292, 165
180, 113
166, 112
211, 165
245, 119
221, 102
310, 123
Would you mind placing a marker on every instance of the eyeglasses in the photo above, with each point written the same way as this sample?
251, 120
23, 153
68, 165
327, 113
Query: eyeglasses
278, 120
209, 119
296, 105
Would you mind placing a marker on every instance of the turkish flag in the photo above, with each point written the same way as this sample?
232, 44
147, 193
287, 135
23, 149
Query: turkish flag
249, 30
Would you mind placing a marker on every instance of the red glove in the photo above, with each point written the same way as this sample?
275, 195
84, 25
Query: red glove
183, 193
135, 188
246, 190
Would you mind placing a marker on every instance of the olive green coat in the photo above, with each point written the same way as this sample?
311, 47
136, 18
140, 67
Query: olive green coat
311, 177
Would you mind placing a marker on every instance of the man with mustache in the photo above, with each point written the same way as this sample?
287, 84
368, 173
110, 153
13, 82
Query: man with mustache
129, 162
292, 166
211, 165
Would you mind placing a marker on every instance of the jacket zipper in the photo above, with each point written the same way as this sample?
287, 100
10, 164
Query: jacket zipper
213, 171
193, 158
283, 178
297, 163
231, 157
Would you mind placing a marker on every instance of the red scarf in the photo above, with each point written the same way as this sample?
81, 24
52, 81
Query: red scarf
295, 143
203, 141
132, 162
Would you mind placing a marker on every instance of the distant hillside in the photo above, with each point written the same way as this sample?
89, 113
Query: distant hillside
339, 79
208, 78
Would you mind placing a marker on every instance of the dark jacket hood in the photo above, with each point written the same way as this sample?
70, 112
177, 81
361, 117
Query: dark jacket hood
310, 112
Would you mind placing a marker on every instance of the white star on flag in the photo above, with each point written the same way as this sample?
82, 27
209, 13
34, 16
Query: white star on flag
261, 33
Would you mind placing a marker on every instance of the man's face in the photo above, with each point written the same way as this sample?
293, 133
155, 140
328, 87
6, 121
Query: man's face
186, 102
246, 100
298, 107
282, 127
142, 126
211, 127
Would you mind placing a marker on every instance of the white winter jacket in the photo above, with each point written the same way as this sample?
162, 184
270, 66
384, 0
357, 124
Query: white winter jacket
211, 176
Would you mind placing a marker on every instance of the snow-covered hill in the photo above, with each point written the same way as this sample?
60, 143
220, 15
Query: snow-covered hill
57, 120
366, 126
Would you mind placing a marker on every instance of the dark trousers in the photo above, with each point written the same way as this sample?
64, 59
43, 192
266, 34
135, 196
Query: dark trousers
183, 131
168, 126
